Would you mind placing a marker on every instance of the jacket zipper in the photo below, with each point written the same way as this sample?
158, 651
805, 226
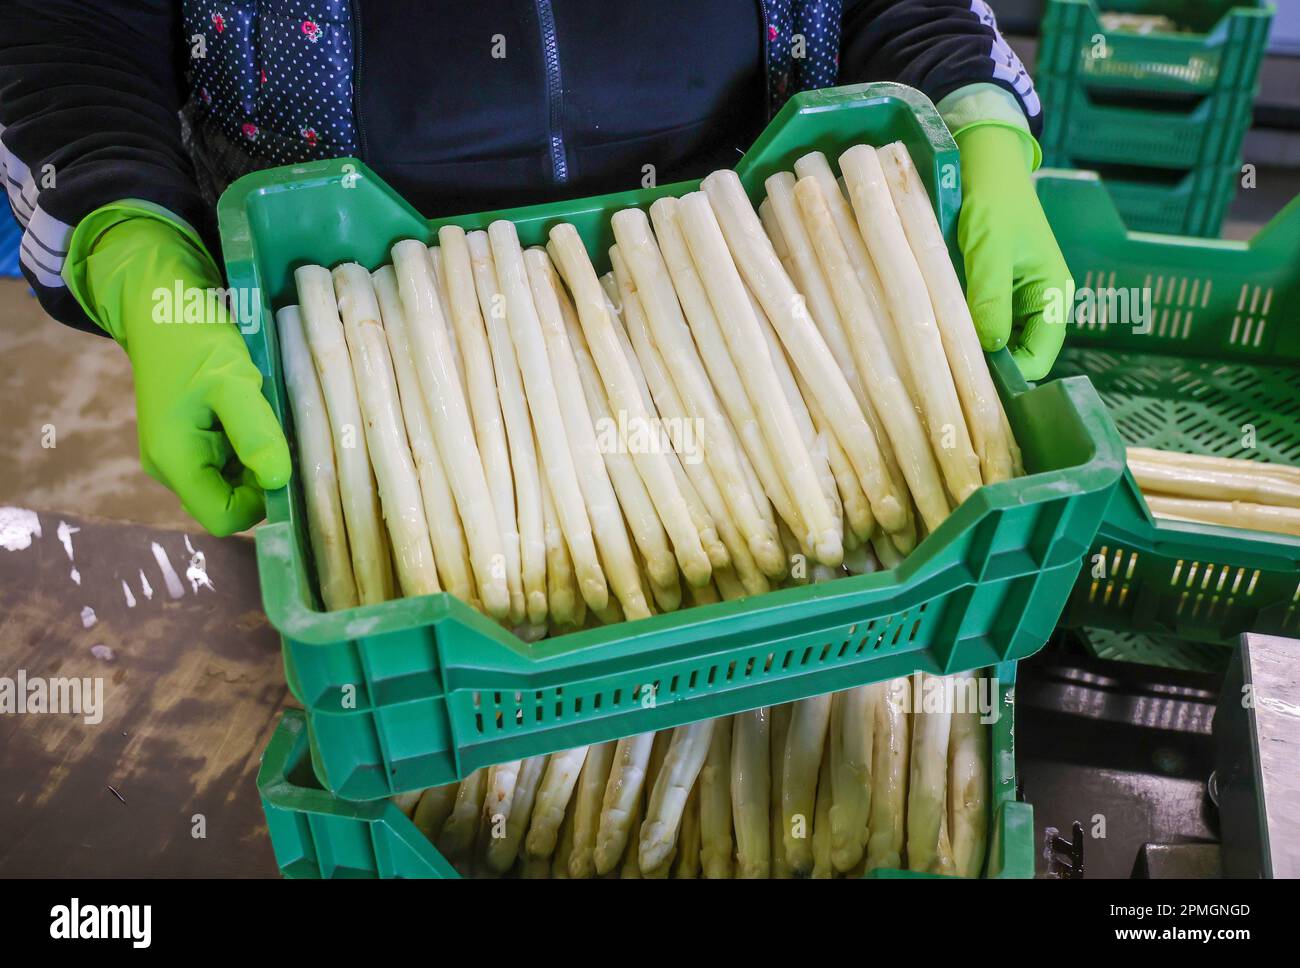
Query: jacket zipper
554, 92
767, 57
358, 60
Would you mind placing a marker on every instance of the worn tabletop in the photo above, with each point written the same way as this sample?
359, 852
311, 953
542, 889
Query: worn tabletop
158, 777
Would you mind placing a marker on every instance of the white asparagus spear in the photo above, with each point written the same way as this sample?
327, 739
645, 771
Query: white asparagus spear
705, 594
822, 867
701, 486
553, 800
721, 276
503, 851
588, 796
324, 332
638, 508
484, 402
620, 386
461, 829
593, 480
628, 867
1249, 483
788, 312
719, 554
319, 478
534, 868
658, 756
883, 383
852, 498
891, 751
808, 278
716, 843
818, 450
548, 422
685, 759
814, 165
809, 719
673, 339
1233, 514
519, 431
968, 789
826, 315
782, 199
970, 371
779, 717
390, 452
498, 805
944, 865
449, 549
853, 720
718, 362
686, 865
909, 305
698, 486
750, 792
622, 797
929, 772
561, 584
730, 587
452, 427
563, 846
406, 802
779, 216
1224, 465
440, 286
433, 809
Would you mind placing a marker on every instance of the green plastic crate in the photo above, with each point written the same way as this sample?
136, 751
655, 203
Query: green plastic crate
1194, 202
1165, 651
1221, 53
1080, 132
1222, 351
317, 835
1166, 111
416, 692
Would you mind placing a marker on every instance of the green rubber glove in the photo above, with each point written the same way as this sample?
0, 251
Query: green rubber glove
206, 432
1017, 282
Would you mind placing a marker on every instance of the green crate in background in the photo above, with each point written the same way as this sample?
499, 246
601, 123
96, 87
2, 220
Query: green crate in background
1222, 352
317, 835
1194, 202
1161, 116
1082, 131
1220, 53
1166, 651
420, 691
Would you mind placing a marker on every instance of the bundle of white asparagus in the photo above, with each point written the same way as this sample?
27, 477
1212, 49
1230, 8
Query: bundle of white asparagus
832, 786
747, 397
1218, 490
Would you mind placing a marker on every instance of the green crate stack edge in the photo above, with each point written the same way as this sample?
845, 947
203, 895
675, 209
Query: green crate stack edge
317, 835
421, 691
1218, 360
1197, 147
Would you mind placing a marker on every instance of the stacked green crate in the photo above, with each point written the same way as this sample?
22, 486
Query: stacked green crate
1161, 115
1212, 366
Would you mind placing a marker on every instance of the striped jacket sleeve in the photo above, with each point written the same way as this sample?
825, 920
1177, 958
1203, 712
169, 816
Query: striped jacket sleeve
937, 46
89, 95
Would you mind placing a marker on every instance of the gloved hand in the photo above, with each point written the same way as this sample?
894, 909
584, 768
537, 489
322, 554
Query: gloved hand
206, 432
1014, 268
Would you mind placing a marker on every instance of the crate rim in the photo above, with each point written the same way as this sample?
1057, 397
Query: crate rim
279, 556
